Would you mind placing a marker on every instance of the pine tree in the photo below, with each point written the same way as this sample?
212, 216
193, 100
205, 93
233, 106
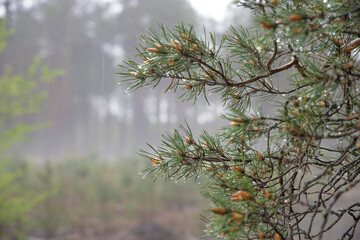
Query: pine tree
276, 176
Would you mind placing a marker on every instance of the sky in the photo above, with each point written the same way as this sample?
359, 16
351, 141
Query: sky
215, 9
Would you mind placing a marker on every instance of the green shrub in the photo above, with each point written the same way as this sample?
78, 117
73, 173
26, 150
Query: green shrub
19, 96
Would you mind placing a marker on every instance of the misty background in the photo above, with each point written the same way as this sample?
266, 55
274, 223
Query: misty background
59, 182
86, 111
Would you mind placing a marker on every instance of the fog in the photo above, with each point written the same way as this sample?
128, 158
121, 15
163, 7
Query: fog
75, 174
86, 111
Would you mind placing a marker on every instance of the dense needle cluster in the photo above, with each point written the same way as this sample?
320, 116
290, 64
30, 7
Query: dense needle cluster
283, 175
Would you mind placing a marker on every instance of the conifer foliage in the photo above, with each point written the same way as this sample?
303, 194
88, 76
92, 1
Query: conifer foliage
279, 176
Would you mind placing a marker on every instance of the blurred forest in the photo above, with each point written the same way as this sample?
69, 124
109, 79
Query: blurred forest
86, 111
61, 59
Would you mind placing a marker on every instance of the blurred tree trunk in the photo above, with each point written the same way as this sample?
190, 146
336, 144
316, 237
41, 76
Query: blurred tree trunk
7, 8
66, 86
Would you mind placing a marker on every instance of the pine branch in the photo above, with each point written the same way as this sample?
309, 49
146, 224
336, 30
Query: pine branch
260, 169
